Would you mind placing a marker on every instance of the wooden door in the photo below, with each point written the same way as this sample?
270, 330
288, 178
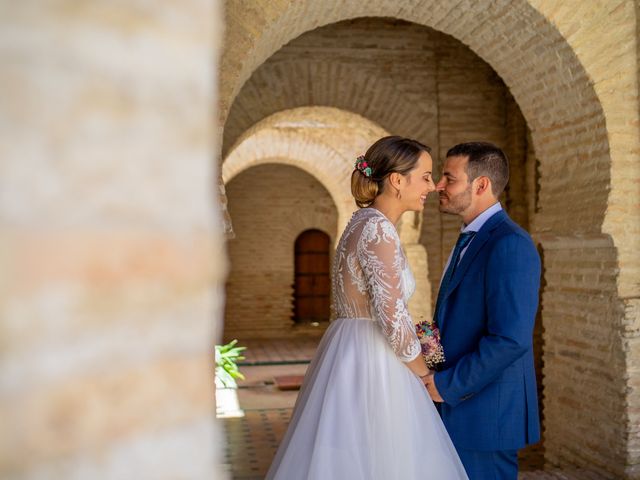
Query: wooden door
312, 281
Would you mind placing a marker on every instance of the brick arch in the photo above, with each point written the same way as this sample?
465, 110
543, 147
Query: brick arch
538, 65
567, 93
260, 284
350, 79
412, 81
323, 141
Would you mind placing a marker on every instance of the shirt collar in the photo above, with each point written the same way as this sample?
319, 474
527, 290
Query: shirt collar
481, 219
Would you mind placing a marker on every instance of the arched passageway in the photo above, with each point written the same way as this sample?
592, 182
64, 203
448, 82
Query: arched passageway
459, 98
564, 111
321, 142
273, 204
107, 302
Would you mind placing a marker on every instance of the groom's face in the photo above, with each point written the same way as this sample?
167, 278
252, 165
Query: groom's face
454, 188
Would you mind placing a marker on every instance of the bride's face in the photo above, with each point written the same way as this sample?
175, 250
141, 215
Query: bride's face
417, 184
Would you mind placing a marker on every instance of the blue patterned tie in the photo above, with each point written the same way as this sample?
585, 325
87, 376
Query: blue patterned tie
463, 241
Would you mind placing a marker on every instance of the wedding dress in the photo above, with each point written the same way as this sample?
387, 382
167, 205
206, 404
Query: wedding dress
361, 413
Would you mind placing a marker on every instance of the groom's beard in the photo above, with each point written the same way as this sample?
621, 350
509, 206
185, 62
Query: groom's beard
457, 204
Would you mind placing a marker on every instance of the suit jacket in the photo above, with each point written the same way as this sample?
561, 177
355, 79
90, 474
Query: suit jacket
486, 323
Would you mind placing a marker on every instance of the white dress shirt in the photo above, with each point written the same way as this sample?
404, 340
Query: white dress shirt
474, 226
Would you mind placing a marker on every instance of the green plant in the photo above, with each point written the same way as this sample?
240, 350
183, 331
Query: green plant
227, 370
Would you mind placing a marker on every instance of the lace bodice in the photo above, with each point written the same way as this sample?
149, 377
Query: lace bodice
372, 279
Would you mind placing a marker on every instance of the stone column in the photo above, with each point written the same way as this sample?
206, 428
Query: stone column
110, 242
583, 354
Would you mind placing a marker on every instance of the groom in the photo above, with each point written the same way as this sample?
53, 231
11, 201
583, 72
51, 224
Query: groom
486, 310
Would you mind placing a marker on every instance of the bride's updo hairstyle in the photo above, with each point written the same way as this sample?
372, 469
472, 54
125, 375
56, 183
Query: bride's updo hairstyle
388, 155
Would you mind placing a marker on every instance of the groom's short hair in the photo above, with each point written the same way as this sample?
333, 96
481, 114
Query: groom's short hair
484, 160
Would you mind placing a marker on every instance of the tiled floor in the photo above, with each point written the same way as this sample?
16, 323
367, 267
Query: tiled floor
266, 352
253, 439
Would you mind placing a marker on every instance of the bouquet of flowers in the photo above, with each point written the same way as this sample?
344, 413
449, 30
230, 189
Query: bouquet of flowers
429, 336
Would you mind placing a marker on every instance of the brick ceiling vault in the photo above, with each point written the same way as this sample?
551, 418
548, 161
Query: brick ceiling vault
382, 69
318, 140
540, 68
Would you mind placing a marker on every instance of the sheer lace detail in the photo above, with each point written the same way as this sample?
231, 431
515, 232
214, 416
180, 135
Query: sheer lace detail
372, 279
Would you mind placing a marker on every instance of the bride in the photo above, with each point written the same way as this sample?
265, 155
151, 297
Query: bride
363, 412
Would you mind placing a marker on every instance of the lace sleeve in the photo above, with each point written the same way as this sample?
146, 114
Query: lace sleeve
381, 261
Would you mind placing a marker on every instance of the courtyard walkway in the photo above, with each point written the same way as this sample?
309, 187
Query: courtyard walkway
256, 424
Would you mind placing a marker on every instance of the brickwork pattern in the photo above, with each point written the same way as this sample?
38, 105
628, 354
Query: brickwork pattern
359, 66
572, 70
323, 142
111, 166
579, 305
270, 207
319, 140
452, 96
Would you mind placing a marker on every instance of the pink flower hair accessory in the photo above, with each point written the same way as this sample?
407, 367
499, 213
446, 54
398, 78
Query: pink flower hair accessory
363, 166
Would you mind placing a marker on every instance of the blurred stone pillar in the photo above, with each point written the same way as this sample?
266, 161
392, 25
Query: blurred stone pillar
111, 239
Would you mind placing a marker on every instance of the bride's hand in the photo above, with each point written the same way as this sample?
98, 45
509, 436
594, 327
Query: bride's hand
433, 390
426, 378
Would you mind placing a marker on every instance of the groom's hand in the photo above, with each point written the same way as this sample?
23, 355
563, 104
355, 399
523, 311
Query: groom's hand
433, 390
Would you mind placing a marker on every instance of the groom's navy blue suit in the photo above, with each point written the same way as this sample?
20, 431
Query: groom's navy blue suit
486, 319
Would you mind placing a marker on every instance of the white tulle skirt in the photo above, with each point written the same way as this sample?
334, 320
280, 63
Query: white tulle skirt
362, 415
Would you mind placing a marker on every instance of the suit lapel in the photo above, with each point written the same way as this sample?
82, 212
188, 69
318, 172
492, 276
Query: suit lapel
474, 247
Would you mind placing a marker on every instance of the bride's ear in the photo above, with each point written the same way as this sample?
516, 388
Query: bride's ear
395, 179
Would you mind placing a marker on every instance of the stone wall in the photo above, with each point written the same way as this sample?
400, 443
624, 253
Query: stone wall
318, 140
581, 350
270, 205
572, 68
111, 253
321, 141
409, 79
112, 257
